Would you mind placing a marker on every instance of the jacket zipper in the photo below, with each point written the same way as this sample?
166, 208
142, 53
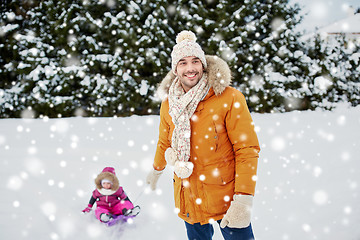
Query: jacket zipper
107, 200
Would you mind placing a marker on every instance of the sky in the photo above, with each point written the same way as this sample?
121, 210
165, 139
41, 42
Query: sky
321, 13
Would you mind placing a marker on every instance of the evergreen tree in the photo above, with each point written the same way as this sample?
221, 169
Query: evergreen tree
316, 76
88, 57
333, 73
344, 70
257, 39
12, 18
105, 58
151, 49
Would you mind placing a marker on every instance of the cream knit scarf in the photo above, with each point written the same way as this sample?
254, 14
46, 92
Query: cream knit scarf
181, 108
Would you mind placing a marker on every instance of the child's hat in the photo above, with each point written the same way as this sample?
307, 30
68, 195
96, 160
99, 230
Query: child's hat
107, 174
110, 170
105, 180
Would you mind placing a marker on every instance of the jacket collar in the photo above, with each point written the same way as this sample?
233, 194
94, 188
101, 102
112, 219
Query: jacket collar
106, 192
219, 77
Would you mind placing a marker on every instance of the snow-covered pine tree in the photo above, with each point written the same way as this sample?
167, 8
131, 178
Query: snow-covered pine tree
46, 69
9, 24
112, 80
256, 39
316, 76
105, 58
151, 49
343, 62
12, 17
86, 57
332, 74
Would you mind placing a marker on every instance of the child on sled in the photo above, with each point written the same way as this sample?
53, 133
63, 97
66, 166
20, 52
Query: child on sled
110, 198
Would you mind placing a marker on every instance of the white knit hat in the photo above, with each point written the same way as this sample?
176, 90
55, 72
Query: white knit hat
106, 181
186, 47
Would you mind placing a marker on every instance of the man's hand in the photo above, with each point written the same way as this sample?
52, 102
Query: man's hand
239, 213
153, 177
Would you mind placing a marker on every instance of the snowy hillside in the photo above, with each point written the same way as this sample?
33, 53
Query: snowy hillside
308, 177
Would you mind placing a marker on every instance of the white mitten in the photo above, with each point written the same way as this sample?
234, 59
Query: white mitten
153, 177
239, 213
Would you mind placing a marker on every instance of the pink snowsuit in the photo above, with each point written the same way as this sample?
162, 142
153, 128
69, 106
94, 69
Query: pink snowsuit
109, 201
113, 204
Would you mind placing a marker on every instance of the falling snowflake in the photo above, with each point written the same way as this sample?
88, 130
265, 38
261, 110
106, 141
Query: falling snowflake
278, 144
320, 197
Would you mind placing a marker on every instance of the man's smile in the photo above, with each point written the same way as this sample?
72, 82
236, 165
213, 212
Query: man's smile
190, 75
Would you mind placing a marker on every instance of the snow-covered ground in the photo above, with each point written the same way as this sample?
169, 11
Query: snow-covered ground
308, 177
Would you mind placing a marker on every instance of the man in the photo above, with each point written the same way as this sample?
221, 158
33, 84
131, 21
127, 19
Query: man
207, 133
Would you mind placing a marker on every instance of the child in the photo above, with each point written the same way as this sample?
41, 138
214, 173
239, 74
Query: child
109, 196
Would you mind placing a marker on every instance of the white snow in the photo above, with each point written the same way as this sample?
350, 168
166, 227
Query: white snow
8, 28
321, 84
308, 177
347, 25
144, 88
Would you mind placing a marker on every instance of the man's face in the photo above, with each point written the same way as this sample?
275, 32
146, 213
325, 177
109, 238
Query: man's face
189, 70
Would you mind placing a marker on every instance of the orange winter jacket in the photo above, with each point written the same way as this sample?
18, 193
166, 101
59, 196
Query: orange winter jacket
224, 149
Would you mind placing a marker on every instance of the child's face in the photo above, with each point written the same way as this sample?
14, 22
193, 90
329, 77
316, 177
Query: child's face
106, 185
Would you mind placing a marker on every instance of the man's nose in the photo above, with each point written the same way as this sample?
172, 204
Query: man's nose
190, 67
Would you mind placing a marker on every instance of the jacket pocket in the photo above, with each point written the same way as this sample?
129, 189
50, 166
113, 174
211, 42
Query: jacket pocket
213, 135
218, 187
204, 142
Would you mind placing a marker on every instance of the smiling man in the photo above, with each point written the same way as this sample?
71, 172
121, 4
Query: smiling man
207, 134
189, 71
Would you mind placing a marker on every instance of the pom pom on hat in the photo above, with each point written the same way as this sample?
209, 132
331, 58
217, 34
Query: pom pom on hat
186, 46
185, 35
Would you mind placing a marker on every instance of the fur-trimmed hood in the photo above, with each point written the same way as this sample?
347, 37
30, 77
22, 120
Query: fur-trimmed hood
110, 176
218, 74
